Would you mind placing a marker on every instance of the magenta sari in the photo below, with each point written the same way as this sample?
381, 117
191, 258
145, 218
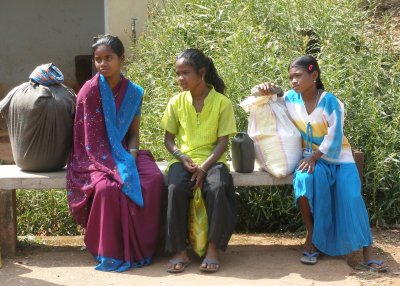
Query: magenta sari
119, 233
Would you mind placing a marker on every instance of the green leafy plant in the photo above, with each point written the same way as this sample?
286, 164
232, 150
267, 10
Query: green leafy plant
44, 212
254, 41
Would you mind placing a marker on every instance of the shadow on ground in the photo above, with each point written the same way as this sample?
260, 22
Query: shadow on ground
262, 260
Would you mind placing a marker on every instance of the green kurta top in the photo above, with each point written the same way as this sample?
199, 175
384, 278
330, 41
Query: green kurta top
197, 133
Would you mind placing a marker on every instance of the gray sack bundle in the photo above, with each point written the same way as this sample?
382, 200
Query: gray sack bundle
40, 121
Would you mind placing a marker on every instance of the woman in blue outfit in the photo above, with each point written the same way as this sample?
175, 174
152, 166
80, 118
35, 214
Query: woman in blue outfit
327, 185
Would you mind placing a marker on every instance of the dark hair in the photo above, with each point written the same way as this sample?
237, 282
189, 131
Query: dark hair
197, 59
309, 64
113, 42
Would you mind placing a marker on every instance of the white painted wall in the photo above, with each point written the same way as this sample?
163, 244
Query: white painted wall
34, 32
119, 18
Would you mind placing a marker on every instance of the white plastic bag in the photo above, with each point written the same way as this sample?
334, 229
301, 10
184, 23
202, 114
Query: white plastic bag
277, 141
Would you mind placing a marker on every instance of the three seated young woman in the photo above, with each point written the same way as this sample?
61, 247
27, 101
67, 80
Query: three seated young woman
114, 190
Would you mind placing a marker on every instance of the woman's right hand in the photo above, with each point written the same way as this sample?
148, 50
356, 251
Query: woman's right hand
266, 88
187, 163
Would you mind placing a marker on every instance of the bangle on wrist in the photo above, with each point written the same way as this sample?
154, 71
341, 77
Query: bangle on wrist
177, 154
136, 150
202, 169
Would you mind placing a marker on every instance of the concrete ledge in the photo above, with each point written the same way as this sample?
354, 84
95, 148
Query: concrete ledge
11, 178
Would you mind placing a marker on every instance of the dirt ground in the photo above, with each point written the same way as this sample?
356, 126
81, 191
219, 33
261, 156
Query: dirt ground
257, 259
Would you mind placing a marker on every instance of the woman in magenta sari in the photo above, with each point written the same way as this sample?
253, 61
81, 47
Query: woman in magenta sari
114, 190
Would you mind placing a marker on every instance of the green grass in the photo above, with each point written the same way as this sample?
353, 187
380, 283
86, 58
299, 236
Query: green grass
254, 41
267, 210
44, 212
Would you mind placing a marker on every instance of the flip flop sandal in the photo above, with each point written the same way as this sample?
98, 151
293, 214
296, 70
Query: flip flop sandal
309, 258
369, 266
209, 261
175, 262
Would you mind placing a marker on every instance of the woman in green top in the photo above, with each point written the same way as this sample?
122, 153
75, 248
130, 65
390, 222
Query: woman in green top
198, 123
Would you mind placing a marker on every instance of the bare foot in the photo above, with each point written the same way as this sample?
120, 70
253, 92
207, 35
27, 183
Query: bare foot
179, 256
210, 262
371, 262
353, 259
308, 245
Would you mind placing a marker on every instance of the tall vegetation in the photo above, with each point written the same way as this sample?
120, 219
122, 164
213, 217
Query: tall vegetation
44, 213
254, 41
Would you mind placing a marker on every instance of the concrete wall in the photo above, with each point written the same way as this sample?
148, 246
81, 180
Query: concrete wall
42, 31
119, 18
34, 32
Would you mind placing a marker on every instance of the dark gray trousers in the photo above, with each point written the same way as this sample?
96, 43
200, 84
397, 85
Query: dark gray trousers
219, 198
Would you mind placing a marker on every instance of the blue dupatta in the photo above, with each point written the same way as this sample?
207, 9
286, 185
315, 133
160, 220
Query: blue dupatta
117, 125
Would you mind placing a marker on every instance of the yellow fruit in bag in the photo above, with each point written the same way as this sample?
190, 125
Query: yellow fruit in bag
198, 223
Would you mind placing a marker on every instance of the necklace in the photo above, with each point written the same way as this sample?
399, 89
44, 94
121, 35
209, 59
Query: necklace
119, 87
316, 101
198, 108
315, 105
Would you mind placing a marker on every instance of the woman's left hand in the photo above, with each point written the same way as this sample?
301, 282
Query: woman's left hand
307, 164
134, 155
198, 178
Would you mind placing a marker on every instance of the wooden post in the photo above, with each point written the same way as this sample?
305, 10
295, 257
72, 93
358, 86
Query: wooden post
359, 159
8, 223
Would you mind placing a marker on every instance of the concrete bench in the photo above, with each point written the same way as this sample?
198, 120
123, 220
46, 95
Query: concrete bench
12, 178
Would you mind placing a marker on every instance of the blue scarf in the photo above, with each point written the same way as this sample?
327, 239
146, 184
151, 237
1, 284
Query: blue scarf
117, 125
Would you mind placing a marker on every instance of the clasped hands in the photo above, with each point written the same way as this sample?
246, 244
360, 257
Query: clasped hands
198, 172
